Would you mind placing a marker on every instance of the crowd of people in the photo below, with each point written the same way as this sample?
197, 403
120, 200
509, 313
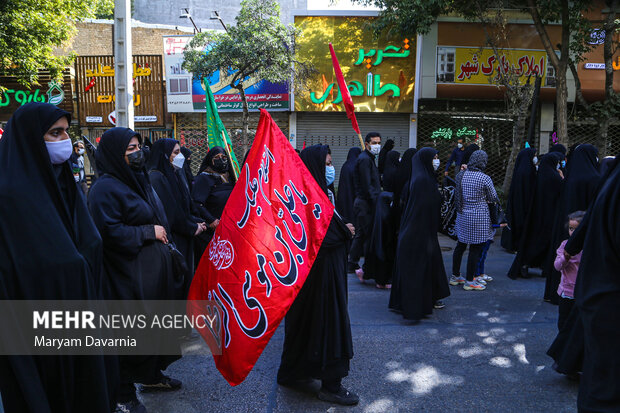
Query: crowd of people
139, 231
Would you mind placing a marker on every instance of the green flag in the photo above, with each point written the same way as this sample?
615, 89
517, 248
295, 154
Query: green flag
215, 127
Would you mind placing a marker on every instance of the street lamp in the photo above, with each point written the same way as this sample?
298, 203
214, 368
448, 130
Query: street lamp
216, 16
186, 15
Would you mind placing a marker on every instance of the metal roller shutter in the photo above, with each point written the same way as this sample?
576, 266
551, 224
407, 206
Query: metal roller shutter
334, 129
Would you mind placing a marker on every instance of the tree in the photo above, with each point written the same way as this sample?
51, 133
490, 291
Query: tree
416, 17
30, 29
259, 46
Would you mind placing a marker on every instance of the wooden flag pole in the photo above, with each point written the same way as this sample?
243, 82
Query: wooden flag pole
362, 142
227, 149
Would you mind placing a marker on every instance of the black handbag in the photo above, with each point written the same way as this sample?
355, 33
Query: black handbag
179, 266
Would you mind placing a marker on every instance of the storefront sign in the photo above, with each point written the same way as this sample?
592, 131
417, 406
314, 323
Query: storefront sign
463, 65
185, 94
50, 91
380, 73
96, 89
448, 133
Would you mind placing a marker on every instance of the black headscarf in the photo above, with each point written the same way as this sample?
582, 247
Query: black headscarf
558, 147
389, 145
110, 157
469, 150
208, 161
314, 159
605, 164
390, 171
404, 173
346, 186
160, 160
519, 197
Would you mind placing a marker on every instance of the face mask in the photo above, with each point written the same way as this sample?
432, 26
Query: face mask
178, 160
459, 145
81, 151
375, 149
557, 167
597, 159
436, 164
563, 163
136, 160
59, 151
535, 160
220, 164
330, 174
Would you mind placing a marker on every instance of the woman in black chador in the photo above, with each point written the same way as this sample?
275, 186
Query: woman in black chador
419, 279
165, 167
187, 167
49, 250
137, 264
346, 188
519, 198
535, 240
582, 179
212, 187
317, 334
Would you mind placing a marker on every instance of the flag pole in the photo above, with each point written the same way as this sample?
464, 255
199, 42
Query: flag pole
229, 155
359, 135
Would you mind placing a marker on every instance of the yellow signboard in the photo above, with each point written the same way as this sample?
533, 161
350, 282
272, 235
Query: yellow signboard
380, 73
482, 66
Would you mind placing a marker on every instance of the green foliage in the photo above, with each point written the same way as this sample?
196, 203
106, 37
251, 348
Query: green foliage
258, 46
30, 29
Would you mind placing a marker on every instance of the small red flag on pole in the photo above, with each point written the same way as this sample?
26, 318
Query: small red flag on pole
346, 96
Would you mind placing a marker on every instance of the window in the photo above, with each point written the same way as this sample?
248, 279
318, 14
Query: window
179, 86
445, 71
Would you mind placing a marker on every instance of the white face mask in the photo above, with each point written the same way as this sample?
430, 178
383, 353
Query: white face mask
436, 164
81, 151
535, 160
375, 149
330, 174
459, 145
59, 151
178, 160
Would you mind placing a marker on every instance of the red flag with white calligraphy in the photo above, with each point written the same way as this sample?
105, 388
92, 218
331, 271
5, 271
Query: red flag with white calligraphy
344, 91
261, 253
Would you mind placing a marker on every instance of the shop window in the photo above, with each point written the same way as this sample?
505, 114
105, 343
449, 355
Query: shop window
445, 71
550, 80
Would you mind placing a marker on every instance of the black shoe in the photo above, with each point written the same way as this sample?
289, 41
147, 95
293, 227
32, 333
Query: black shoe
439, 305
165, 383
343, 397
133, 406
351, 267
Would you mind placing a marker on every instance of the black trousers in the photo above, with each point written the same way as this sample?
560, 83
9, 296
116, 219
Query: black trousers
475, 251
363, 230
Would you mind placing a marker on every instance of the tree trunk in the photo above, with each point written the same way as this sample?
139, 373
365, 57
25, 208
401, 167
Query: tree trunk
601, 139
245, 120
518, 133
561, 107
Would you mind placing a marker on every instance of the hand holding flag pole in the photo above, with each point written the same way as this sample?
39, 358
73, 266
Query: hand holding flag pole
346, 96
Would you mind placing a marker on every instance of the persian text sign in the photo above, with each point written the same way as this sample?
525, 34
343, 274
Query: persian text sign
481, 66
262, 251
380, 72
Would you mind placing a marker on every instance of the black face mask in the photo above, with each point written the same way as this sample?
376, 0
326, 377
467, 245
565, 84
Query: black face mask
220, 165
136, 160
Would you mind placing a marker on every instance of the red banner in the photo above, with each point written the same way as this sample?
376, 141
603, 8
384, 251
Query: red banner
344, 90
261, 253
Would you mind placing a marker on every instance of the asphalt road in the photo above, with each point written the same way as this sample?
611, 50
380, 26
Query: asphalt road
485, 352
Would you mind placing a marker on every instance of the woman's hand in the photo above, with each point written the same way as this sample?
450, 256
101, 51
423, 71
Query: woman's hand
214, 224
201, 228
352, 229
160, 234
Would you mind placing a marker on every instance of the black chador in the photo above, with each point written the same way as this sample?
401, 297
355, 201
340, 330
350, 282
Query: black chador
404, 175
390, 171
211, 190
137, 266
170, 185
419, 278
317, 339
346, 187
49, 250
579, 190
519, 198
535, 241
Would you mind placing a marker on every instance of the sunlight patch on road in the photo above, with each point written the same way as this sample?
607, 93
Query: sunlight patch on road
380, 406
501, 362
424, 379
454, 341
519, 350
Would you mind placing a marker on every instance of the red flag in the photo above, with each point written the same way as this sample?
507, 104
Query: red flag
261, 253
344, 90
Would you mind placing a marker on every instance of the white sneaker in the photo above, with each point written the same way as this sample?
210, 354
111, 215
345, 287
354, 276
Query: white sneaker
485, 277
473, 285
480, 280
456, 280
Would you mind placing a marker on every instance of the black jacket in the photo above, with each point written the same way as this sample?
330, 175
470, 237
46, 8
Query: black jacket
366, 179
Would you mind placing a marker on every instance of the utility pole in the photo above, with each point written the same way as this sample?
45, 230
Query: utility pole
123, 64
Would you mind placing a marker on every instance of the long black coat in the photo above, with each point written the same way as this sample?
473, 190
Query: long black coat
317, 330
535, 240
519, 198
49, 250
419, 275
346, 187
